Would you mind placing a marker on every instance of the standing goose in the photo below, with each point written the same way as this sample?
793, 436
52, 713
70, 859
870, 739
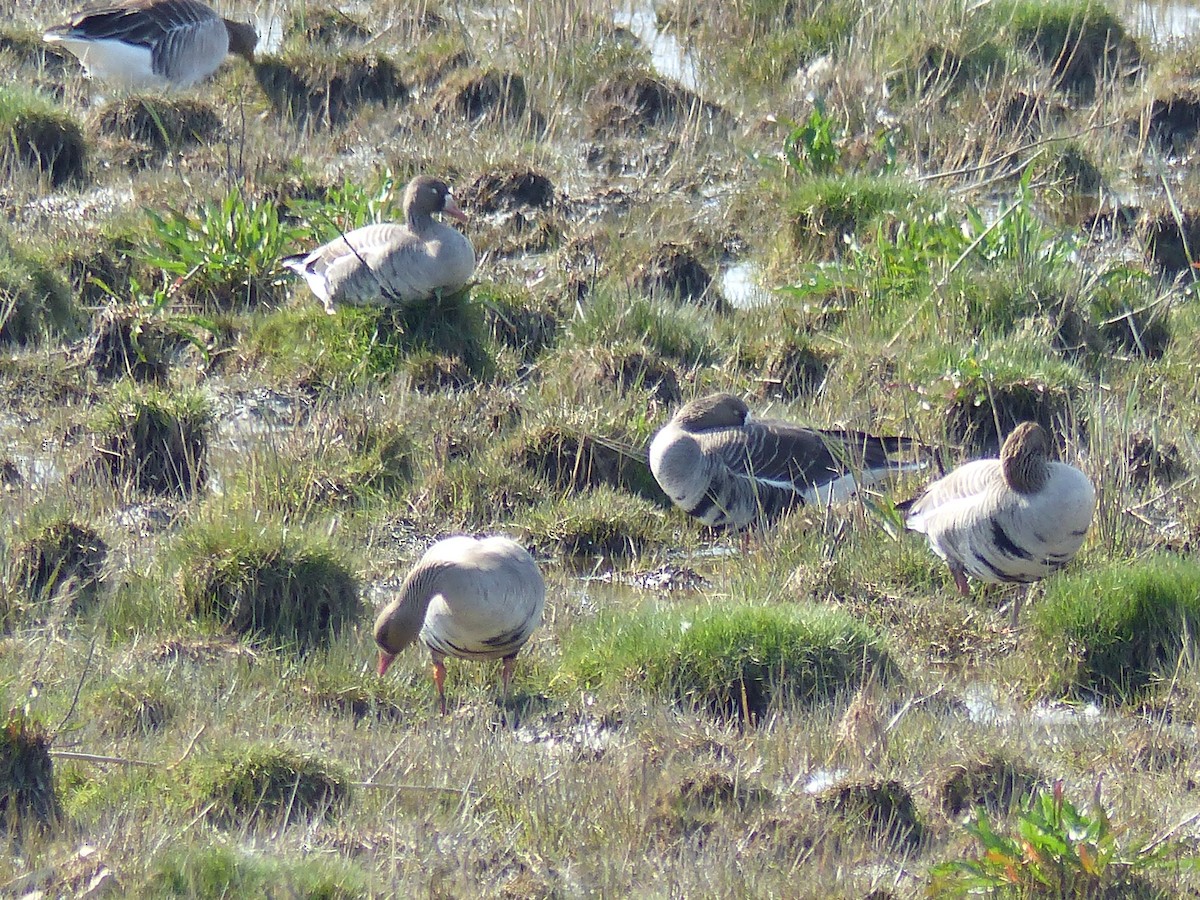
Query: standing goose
1013, 519
473, 598
152, 43
723, 467
393, 263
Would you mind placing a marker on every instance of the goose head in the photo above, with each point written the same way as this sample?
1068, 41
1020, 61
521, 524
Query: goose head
425, 196
1025, 456
242, 39
714, 411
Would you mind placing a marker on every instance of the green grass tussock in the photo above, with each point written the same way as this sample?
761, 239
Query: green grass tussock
37, 133
58, 562
35, 301
1119, 629
261, 784
27, 790
739, 662
222, 871
155, 439
257, 581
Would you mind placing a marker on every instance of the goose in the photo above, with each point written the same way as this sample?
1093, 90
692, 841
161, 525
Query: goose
472, 598
1017, 519
393, 263
152, 43
727, 469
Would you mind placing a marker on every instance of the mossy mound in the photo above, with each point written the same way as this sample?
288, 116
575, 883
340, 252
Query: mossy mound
626, 367
882, 810
27, 796
322, 90
572, 459
598, 523
156, 440
162, 124
524, 324
736, 662
61, 561
129, 341
260, 583
674, 270
785, 367
995, 783
508, 189
824, 212
264, 784
475, 94
701, 801
325, 25
35, 300
131, 706
1079, 40
1116, 630
38, 134
632, 102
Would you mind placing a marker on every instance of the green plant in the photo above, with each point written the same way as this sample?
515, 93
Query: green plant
1056, 851
227, 254
811, 146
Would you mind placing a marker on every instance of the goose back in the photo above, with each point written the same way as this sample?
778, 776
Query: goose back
153, 43
726, 468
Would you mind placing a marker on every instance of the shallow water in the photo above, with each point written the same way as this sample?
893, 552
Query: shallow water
741, 286
1165, 24
669, 58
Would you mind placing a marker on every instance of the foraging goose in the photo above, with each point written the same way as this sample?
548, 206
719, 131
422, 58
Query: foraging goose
1013, 519
474, 598
723, 467
152, 43
393, 263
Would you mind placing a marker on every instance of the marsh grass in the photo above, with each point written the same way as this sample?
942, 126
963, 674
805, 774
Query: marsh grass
42, 136
939, 205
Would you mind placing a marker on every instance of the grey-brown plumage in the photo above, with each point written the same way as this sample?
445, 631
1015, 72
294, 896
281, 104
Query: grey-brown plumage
472, 598
393, 263
724, 467
1013, 519
153, 43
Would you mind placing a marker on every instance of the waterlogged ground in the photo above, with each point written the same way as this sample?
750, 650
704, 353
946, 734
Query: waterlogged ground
923, 219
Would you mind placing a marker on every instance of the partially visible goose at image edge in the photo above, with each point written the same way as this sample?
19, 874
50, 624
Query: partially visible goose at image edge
471, 598
726, 468
1016, 519
153, 43
393, 263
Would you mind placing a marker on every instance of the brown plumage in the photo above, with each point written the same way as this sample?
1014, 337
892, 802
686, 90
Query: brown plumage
153, 43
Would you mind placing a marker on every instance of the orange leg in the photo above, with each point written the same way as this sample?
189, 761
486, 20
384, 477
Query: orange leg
439, 680
506, 670
960, 580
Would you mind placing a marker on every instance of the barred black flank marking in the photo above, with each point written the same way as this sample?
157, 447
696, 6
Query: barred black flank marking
1007, 545
995, 570
706, 505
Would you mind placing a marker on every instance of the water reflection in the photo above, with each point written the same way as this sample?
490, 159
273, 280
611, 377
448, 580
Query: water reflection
667, 56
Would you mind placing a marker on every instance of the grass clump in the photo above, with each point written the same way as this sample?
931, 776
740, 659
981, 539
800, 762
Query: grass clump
1118, 629
156, 440
265, 784
258, 582
62, 560
825, 212
736, 662
226, 256
221, 871
27, 796
35, 301
132, 705
317, 88
36, 133
1080, 40
597, 522
882, 810
161, 123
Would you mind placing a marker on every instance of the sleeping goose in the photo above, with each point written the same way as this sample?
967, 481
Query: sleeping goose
393, 263
1013, 519
725, 468
152, 43
474, 598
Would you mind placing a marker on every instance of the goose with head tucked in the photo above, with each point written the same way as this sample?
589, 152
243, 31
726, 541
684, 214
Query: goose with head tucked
1016, 519
471, 598
726, 468
137, 44
393, 263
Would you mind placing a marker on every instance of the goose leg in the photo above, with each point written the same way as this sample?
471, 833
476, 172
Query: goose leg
506, 670
960, 580
439, 679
